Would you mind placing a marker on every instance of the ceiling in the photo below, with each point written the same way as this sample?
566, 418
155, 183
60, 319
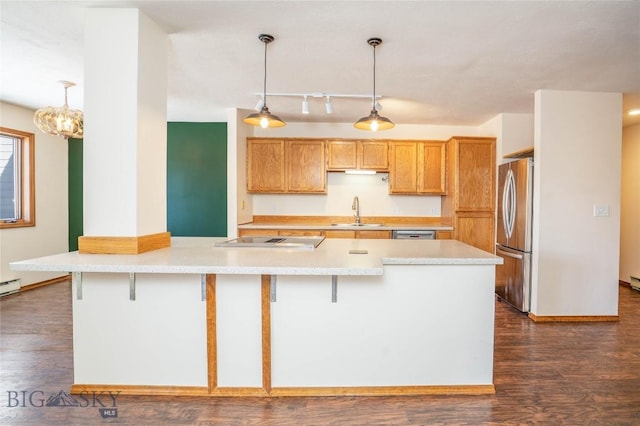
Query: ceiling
441, 62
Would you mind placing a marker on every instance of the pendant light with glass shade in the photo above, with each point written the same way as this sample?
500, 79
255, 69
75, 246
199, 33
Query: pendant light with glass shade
60, 121
374, 121
264, 118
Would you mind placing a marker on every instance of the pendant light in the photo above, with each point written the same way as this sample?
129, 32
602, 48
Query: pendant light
60, 121
264, 118
374, 121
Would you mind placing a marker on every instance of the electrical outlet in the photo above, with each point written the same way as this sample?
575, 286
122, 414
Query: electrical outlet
601, 210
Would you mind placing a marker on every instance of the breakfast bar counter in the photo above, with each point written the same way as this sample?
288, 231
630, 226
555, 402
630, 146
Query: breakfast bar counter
350, 317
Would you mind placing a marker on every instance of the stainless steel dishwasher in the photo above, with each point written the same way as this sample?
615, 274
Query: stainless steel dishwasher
403, 234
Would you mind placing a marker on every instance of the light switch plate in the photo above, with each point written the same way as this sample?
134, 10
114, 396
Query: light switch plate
601, 210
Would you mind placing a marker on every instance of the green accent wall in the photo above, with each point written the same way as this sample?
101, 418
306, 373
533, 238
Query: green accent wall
197, 179
75, 192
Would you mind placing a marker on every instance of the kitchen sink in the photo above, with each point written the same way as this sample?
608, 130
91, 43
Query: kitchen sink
364, 225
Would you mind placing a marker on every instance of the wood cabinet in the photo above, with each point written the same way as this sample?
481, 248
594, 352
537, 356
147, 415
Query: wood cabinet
417, 167
371, 234
357, 154
305, 166
476, 229
279, 166
265, 165
444, 235
470, 204
281, 232
337, 233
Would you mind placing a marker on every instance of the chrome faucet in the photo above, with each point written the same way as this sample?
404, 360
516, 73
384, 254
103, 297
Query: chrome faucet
356, 207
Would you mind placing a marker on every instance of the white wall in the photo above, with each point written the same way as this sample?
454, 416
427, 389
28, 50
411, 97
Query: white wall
630, 205
50, 235
577, 158
372, 191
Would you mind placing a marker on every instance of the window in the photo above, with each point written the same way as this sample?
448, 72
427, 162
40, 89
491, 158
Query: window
17, 184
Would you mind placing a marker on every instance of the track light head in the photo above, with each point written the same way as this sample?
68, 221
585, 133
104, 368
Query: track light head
328, 105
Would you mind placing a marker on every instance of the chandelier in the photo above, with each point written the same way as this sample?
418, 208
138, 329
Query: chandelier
60, 121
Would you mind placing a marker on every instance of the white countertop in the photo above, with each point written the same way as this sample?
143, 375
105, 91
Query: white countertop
197, 255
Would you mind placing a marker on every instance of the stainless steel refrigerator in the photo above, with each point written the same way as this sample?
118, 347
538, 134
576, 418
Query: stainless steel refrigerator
515, 200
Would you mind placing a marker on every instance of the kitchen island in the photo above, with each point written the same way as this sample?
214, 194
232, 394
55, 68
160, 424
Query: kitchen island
350, 317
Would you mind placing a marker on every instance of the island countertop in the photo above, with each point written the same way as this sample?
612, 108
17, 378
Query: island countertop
197, 255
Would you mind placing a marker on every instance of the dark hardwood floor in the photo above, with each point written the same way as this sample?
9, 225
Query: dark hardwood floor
545, 374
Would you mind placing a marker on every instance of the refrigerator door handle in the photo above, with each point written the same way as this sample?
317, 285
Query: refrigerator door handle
514, 205
505, 206
509, 254
508, 203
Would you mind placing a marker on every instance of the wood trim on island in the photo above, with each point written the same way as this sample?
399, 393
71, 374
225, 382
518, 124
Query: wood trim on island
124, 245
212, 342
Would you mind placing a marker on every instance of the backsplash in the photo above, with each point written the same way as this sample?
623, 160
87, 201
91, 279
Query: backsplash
372, 191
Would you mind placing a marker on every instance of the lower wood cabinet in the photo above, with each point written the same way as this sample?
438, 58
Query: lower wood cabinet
371, 234
476, 229
444, 235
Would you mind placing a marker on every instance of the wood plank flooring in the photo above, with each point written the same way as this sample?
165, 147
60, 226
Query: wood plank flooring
545, 374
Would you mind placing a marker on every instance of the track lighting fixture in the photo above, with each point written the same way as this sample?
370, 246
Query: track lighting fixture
306, 97
264, 118
374, 121
328, 105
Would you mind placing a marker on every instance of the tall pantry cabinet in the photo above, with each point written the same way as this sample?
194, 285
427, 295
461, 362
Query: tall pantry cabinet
470, 201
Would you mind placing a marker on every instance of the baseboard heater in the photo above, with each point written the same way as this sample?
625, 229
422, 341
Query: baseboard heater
635, 282
9, 287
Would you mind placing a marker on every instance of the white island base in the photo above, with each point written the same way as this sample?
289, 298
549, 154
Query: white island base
398, 321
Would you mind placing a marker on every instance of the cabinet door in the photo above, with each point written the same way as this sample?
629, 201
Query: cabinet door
475, 182
402, 167
444, 235
476, 229
341, 155
265, 165
306, 166
373, 155
340, 234
432, 168
256, 232
380, 234
300, 233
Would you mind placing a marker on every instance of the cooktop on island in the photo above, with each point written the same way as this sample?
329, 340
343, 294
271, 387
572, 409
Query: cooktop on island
272, 242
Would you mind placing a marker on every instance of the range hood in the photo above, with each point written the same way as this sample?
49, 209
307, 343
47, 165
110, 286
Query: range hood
273, 242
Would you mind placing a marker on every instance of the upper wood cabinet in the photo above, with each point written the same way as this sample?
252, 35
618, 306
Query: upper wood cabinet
472, 174
357, 154
265, 165
417, 167
291, 165
470, 204
306, 170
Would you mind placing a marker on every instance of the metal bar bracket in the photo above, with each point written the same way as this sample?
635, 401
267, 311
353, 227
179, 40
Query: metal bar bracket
272, 288
132, 286
203, 287
334, 289
76, 277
